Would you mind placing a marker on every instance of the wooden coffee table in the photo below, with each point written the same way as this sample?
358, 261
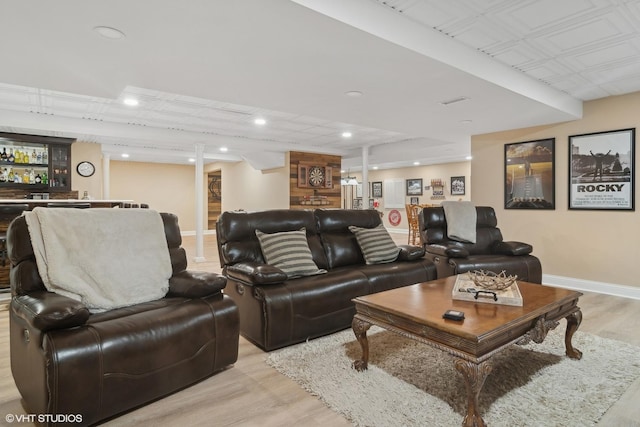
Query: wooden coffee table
416, 312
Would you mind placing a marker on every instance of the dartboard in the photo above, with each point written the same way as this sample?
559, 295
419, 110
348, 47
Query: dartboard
316, 176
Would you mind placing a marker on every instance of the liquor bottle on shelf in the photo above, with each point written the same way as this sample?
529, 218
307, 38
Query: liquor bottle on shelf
45, 156
38, 179
39, 157
4, 175
11, 177
34, 156
25, 176
11, 157
4, 156
45, 178
32, 177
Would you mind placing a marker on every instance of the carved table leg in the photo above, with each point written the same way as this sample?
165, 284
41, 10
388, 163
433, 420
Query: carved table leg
573, 321
474, 376
360, 328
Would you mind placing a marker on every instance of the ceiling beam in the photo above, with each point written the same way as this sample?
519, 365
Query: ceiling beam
386, 24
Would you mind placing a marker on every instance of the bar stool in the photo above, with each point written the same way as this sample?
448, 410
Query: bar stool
7, 213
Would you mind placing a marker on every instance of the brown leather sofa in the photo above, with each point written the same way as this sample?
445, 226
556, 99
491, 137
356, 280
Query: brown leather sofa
65, 360
276, 311
489, 253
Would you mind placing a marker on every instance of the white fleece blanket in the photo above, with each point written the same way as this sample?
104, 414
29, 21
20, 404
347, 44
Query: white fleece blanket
105, 258
461, 221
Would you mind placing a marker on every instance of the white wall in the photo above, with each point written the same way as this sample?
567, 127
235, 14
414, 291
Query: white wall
427, 173
589, 245
252, 190
164, 187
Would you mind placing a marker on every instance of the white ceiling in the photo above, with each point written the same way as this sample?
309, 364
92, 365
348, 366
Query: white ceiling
204, 69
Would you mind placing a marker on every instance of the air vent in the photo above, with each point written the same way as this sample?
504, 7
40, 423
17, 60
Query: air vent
454, 100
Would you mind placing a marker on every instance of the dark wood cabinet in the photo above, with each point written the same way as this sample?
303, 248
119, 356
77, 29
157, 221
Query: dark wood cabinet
35, 163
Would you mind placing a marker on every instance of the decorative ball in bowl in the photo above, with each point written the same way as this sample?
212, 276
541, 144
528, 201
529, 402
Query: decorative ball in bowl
491, 281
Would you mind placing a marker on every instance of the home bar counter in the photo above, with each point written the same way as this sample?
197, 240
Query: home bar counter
47, 203
94, 203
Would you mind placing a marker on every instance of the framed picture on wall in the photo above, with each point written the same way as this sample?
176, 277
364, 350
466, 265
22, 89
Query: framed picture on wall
376, 189
457, 185
602, 170
415, 200
414, 187
529, 175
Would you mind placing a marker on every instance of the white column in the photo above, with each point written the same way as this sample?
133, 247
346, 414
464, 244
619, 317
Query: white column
365, 178
199, 203
106, 173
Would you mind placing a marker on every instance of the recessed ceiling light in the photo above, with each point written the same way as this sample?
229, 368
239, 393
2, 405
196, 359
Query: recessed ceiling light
469, 157
466, 122
375, 168
416, 163
260, 121
347, 134
132, 102
192, 160
353, 93
109, 32
224, 149
125, 155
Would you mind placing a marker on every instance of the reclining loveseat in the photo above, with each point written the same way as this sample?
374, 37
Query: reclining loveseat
489, 252
68, 361
277, 310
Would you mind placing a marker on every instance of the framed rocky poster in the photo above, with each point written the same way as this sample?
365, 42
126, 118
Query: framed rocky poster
529, 174
602, 170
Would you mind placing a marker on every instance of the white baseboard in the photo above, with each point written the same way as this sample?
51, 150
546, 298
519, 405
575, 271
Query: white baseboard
591, 286
193, 232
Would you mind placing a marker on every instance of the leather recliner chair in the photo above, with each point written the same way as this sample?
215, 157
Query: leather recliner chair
489, 253
65, 360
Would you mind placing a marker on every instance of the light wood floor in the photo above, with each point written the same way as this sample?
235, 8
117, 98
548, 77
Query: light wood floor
252, 394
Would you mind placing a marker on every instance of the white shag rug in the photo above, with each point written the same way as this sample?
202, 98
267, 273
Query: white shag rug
412, 384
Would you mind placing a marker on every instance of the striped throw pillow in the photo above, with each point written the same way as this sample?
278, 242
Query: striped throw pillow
289, 251
376, 244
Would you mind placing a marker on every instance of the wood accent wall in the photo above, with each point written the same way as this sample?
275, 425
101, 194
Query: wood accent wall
214, 205
298, 196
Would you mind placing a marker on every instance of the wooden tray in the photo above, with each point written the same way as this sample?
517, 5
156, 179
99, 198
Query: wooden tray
509, 296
